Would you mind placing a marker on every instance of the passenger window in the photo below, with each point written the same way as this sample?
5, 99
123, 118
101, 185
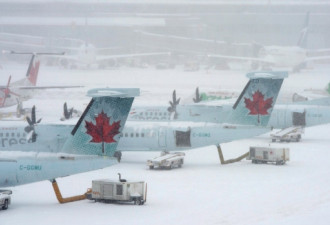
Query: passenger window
137, 134
132, 135
126, 134
142, 135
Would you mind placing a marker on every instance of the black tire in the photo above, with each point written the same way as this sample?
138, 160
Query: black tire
5, 206
151, 167
273, 140
137, 202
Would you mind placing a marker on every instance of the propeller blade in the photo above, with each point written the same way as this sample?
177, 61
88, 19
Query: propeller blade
29, 135
29, 121
33, 115
34, 137
13, 93
39, 120
8, 83
198, 97
174, 96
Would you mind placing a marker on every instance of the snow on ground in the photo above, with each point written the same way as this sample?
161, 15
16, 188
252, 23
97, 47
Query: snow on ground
203, 191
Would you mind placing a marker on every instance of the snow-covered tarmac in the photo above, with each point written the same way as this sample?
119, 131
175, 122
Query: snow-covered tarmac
203, 191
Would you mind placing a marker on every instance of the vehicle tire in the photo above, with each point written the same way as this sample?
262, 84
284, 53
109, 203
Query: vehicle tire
151, 167
137, 202
5, 206
273, 140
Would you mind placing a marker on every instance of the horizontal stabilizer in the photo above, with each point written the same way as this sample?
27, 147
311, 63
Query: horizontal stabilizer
270, 75
114, 92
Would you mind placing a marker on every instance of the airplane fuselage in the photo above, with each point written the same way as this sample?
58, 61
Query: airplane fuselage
283, 56
136, 136
283, 116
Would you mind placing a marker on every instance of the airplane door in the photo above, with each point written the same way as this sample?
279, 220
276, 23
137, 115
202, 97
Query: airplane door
162, 137
8, 172
281, 117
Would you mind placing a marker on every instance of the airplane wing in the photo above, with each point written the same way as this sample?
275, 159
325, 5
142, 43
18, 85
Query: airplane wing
240, 58
106, 57
318, 58
45, 87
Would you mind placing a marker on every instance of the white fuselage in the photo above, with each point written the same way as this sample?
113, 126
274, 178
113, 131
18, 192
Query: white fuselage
281, 56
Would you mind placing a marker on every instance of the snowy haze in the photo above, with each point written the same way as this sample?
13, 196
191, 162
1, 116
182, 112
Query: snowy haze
203, 191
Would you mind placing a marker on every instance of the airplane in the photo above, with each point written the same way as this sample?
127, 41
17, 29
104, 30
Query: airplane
262, 57
21, 90
79, 53
302, 113
88, 55
274, 56
35, 151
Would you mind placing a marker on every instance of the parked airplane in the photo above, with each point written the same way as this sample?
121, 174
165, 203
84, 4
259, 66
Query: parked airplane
304, 113
79, 53
41, 152
88, 55
34, 151
262, 57
21, 90
292, 57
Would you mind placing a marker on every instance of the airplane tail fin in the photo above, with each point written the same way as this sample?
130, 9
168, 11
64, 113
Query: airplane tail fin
99, 128
256, 102
302, 41
33, 70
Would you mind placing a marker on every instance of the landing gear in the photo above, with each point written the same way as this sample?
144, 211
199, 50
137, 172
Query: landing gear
117, 155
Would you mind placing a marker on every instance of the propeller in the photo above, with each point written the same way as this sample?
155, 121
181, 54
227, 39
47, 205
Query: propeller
173, 104
198, 96
32, 135
67, 113
7, 92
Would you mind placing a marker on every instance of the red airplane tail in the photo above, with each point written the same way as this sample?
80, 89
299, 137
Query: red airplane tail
33, 70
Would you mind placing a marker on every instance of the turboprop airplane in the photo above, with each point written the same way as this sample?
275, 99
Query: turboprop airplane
30, 152
21, 90
303, 113
292, 57
35, 152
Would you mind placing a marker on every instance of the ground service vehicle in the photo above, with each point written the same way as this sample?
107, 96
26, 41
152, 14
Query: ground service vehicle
288, 134
268, 154
167, 160
5, 199
118, 191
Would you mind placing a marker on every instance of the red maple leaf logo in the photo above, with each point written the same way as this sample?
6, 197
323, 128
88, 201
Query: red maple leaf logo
102, 131
258, 106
